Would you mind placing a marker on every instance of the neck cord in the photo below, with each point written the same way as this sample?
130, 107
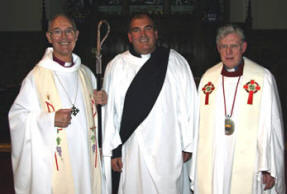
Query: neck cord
74, 109
234, 98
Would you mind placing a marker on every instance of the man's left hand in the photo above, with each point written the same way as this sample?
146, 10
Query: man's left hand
100, 97
186, 156
268, 180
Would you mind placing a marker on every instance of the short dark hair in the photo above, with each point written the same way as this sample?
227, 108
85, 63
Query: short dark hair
72, 21
140, 15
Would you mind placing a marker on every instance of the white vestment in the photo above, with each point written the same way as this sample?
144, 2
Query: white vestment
152, 156
269, 139
33, 135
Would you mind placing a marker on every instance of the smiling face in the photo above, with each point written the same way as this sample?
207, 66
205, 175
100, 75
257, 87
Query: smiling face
63, 36
142, 35
231, 49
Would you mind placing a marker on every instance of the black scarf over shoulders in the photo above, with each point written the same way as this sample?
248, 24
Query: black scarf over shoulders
142, 94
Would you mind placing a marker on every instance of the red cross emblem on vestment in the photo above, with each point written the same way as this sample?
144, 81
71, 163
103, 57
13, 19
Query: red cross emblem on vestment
251, 87
51, 108
207, 89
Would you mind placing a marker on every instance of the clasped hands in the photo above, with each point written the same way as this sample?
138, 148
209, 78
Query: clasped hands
63, 116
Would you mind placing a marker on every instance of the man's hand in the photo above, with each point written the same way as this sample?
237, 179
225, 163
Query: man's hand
186, 156
63, 118
117, 164
100, 97
268, 180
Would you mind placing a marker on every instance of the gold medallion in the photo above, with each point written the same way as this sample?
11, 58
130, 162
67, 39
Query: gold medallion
229, 126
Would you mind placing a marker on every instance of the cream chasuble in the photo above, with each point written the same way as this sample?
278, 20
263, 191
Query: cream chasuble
44, 161
62, 182
244, 158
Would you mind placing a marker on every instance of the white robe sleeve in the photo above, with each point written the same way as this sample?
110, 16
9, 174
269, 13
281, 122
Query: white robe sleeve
187, 100
111, 125
110, 133
188, 113
270, 142
32, 138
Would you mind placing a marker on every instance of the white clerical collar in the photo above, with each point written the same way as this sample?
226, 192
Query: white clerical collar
230, 69
233, 72
145, 56
48, 62
134, 53
68, 64
63, 63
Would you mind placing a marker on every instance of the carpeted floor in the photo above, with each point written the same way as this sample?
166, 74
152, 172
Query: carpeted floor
6, 178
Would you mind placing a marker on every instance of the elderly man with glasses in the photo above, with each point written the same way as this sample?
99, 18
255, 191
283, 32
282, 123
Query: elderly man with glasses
53, 121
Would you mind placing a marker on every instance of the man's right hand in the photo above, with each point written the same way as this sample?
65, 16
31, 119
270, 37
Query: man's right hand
63, 118
117, 164
268, 180
100, 97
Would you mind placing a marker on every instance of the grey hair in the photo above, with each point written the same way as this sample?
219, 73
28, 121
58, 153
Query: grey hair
71, 20
229, 29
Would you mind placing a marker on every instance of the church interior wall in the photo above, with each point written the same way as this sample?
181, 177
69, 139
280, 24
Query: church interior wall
265, 14
269, 14
19, 15
238, 11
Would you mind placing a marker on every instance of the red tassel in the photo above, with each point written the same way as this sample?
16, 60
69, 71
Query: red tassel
50, 106
206, 98
250, 97
56, 162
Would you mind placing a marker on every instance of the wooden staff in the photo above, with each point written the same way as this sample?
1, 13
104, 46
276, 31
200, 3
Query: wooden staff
99, 45
99, 71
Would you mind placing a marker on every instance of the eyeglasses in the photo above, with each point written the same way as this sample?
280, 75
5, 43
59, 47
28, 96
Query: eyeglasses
231, 46
57, 32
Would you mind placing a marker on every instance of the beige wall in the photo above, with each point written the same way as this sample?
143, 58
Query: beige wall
20, 15
53, 7
266, 14
25, 15
269, 14
237, 11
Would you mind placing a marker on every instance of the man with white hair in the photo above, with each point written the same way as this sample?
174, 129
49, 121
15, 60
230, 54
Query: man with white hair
240, 143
